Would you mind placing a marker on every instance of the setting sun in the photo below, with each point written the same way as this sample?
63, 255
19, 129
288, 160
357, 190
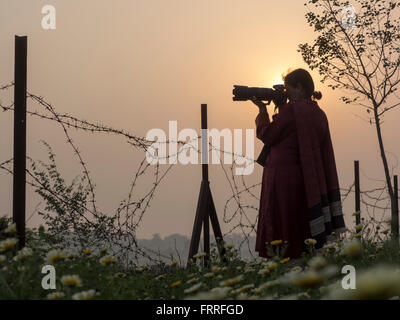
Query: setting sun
277, 80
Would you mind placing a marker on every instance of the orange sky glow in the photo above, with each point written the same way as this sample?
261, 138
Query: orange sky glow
135, 65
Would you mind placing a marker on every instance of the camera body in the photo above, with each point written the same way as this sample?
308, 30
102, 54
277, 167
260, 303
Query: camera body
244, 93
277, 95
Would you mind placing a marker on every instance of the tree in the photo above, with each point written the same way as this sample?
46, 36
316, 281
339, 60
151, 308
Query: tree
357, 50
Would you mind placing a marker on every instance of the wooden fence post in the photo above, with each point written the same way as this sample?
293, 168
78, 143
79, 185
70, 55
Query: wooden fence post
19, 167
395, 215
357, 190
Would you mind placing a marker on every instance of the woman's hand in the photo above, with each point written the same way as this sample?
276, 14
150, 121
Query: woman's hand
261, 105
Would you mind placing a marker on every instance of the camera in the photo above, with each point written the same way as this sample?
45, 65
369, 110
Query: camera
277, 94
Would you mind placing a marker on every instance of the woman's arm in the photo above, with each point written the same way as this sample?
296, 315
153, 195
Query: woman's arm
272, 132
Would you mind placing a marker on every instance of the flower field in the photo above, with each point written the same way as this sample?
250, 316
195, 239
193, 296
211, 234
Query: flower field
91, 274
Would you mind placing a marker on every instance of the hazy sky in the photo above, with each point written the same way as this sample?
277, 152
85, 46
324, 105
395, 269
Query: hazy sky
135, 65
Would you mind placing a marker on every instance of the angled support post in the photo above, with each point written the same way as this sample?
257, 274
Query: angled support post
205, 205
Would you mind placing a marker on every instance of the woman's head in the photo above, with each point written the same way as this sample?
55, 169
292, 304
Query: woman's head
300, 85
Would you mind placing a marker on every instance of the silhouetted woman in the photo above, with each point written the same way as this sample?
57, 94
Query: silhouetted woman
300, 196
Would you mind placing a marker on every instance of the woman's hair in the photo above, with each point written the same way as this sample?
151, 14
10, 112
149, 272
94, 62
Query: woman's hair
304, 78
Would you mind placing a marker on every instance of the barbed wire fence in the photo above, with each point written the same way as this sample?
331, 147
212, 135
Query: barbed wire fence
69, 212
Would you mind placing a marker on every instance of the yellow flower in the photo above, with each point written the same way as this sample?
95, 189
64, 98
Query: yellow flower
55, 295
173, 263
308, 279
71, 281
71, 256
84, 295
107, 260
257, 291
276, 242
303, 295
231, 282
199, 255
54, 255
229, 246
271, 265
285, 260
177, 283
215, 269
356, 235
245, 288
119, 275
352, 248
7, 244
296, 269
264, 271
161, 276
87, 251
310, 242
359, 227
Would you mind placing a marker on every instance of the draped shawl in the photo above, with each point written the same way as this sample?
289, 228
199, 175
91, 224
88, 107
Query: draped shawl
319, 169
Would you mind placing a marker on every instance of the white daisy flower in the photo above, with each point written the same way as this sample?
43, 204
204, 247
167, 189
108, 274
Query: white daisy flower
55, 295
84, 295
71, 281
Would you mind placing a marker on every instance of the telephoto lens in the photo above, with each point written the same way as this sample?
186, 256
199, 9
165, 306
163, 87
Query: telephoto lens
244, 93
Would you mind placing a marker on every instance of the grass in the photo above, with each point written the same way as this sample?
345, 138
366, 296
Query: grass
99, 276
